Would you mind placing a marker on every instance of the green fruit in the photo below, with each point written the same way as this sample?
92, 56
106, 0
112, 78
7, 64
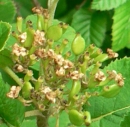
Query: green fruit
26, 89
30, 38
54, 32
87, 118
101, 58
76, 117
40, 22
110, 91
19, 24
76, 86
78, 45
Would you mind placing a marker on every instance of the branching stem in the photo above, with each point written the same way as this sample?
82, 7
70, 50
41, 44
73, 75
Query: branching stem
52, 7
33, 113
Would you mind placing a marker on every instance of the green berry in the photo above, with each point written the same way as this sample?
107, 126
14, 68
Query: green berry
78, 45
76, 86
26, 89
87, 118
30, 38
54, 32
76, 117
101, 58
19, 24
40, 22
110, 91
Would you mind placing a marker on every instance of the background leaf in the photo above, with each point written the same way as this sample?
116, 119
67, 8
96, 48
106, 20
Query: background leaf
5, 58
5, 29
121, 27
107, 4
126, 121
7, 10
3, 125
11, 110
91, 25
29, 123
63, 120
110, 112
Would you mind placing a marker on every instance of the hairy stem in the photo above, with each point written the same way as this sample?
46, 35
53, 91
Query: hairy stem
13, 75
52, 7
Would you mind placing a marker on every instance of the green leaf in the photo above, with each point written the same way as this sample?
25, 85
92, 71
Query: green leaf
5, 58
7, 10
5, 29
92, 26
24, 7
63, 120
11, 110
107, 4
3, 125
121, 27
109, 112
29, 123
126, 121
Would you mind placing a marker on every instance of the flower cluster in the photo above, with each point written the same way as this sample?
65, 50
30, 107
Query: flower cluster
48, 90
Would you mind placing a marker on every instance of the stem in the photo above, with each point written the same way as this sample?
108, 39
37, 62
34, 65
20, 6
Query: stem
33, 113
52, 7
13, 75
43, 121
57, 121
36, 3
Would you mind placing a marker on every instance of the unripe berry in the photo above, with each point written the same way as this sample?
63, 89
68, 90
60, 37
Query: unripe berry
78, 45
76, 86
54, 32
110, 91
76, 117
26, 89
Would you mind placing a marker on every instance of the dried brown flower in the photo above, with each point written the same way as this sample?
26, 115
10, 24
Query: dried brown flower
60, 71
41, 53
111, 53
18, 68
39, 38
75, 75
19, 51
112, 74
59, 59
14, 92
49, 94
22, 37
99, 76
51, 53
37, 10
68, 64
119, 79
